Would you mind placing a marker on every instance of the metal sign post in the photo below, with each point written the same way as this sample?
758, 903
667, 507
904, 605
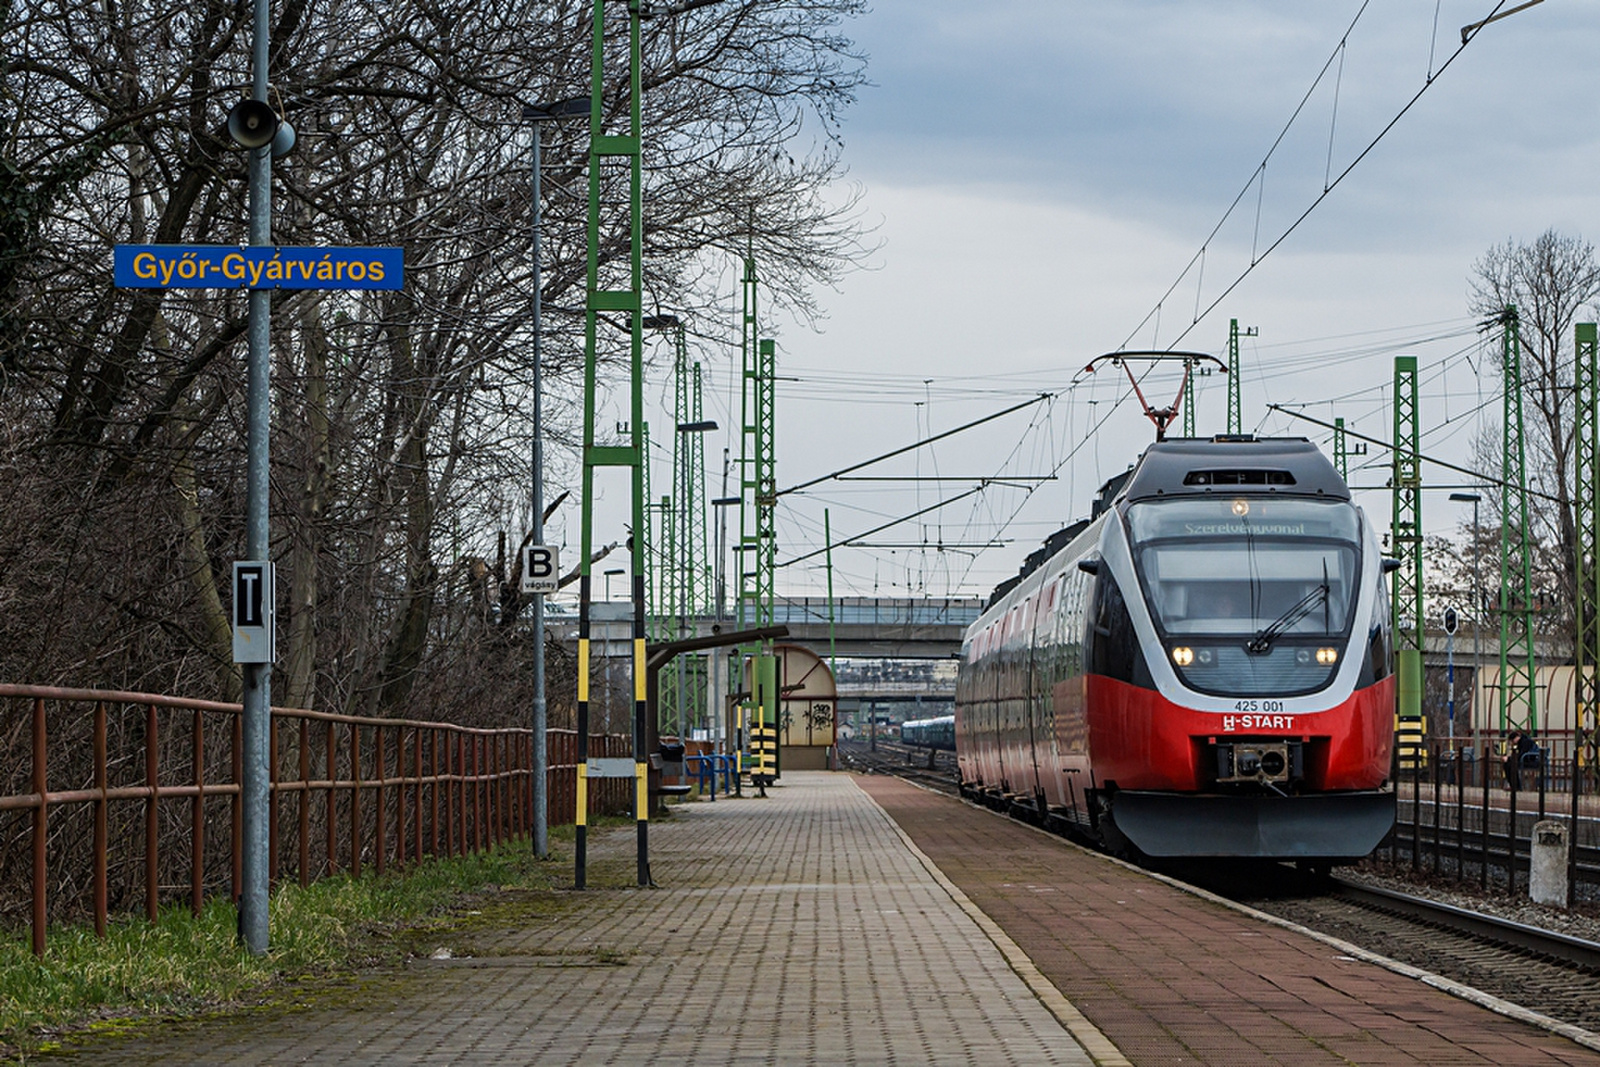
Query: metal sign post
258, 267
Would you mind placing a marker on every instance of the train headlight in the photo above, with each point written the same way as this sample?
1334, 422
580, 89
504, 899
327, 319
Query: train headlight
1183, 655
1327, 656
1241, 508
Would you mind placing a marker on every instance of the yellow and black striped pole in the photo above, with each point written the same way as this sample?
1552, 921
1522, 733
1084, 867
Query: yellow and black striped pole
580, 842
641, 725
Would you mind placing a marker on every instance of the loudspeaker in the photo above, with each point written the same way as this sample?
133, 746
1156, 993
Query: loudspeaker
283, 140
252, 124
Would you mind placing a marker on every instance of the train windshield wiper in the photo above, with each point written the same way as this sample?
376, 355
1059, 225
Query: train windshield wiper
1262, 641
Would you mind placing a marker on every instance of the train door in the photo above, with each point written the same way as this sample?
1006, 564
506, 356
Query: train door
990, 703
1068, 696
1051, 659
1038, 688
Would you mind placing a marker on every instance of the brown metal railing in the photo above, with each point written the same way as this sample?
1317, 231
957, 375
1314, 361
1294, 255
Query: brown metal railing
400, 789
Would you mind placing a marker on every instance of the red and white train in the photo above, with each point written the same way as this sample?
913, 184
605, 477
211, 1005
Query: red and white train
1201, 669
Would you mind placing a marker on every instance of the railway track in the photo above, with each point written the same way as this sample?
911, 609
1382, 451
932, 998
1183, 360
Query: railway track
911, 764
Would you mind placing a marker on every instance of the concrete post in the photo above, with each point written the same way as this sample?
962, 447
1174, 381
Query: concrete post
1547, 878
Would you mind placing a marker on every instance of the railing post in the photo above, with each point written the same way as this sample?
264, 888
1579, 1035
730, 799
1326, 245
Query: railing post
380, 839
1416, 807
1572, 829
152, 820
197, 816
236, 810
480, 794
305, 805
496, 801
41, 826
331, 743
448, 781
1511, 833
100, 843
400, 806
433, 754
274, 867
1436, 806
1461, 812
1483, 836
355, 800
416, 797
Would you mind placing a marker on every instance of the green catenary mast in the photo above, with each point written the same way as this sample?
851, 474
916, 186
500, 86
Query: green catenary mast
1586, 383
757, 543
1406, 544
1235, 379
1188, 398
1518, 706
608, 154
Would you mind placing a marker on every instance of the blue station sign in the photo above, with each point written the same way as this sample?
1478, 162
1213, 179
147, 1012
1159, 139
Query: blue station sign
257, 267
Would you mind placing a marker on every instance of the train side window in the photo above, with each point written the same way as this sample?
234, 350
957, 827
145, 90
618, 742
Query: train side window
1113, 645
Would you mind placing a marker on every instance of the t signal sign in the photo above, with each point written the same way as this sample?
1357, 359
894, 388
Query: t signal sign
252, 611
541, 569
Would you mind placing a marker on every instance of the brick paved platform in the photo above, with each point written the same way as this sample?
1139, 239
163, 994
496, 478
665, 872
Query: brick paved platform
802, 928
1172, 978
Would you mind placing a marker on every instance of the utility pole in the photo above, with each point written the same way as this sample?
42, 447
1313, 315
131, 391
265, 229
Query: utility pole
1586, 383
256, 716
1406, 543
608, 151
1518, 703
1341, 457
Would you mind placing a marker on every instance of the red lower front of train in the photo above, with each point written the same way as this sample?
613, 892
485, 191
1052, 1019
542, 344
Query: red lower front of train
1138, 739
1172, 781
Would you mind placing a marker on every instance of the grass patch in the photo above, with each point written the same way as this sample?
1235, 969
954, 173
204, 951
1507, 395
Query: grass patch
184, 964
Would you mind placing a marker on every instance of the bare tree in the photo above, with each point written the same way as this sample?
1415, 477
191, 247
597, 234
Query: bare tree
1550, 282
400, 417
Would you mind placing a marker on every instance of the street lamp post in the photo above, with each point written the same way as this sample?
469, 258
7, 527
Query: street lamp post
576, 107
1477, 596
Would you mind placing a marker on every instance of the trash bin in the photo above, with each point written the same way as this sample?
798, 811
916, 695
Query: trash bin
671, 753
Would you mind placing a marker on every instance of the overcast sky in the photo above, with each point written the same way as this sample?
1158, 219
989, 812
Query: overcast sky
1040, 172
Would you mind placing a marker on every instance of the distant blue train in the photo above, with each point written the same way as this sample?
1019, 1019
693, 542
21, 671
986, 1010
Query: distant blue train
938, 734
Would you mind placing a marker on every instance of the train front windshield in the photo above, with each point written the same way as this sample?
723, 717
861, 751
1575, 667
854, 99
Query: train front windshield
1252, 595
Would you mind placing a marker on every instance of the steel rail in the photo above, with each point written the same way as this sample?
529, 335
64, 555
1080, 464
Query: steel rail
1546, 943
